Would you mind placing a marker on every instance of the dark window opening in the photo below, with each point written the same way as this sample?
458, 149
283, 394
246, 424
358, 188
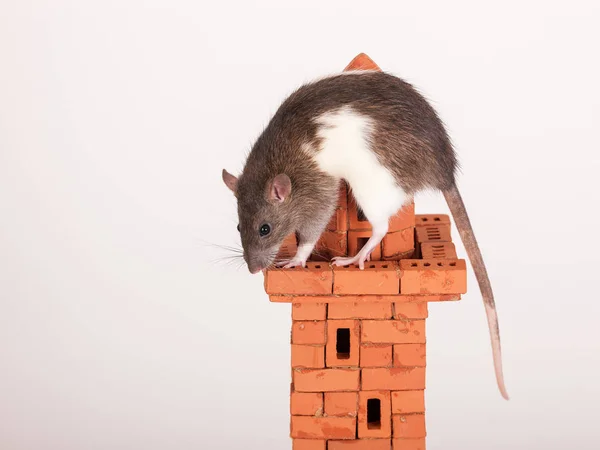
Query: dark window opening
361, 243
342, 344
374, 414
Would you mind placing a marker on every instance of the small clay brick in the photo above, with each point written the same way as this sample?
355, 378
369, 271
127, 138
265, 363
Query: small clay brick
308, 356
398, 242
308, 332
376, 278
409, 426
356, 241
424, 220
394, 379
393, 331
315, 278
337, 353
408, 444
330, 245
405, 218
376, 355
406, 402
409, 355
327, 380
431, 276
338, 221
306, 404
341, 404
421, 298
303, 427
410, 310
362, 62
436, 233
288, 247
353, 310
309, 311
381, 429
356, 218
332, 299
361, 444
343, 197
309, 444
438, 250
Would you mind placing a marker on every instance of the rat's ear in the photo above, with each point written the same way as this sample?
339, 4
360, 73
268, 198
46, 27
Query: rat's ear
280, 189
230, 181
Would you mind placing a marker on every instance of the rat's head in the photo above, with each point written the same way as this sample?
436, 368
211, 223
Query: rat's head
266, 216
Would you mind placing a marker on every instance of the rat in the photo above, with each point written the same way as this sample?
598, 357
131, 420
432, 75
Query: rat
376, 132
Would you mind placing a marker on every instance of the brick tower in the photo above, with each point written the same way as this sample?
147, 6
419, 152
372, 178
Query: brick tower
358, 336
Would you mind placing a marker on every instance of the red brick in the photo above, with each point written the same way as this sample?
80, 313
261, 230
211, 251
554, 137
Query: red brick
410, 310
309, 444
393, 331
437, 233
362, 62
316, 278
309, 311
409, 355
326, 380
409, 444
398, 242
376, 355
384, 428
338, 221
377, 278
409, 426
341, 403
308, 356
343, 196
306, 404
330, 245
430, 276
288, 248
393, 379
304, 427
361, 444
438, 250
405, 402
424, 220
332, 357
354, 222
356, 241
405, 218
308, 332
353, 310
336, 298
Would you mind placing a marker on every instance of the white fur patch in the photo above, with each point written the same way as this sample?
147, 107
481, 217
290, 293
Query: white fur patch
345, 153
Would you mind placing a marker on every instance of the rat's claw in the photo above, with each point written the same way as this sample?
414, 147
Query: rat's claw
295, 263
344, 261
358, 259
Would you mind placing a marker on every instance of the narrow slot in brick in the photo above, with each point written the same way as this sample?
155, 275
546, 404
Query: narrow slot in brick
374, 414
342, 343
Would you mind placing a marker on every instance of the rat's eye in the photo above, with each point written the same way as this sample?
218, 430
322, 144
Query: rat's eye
238, 227
264, 229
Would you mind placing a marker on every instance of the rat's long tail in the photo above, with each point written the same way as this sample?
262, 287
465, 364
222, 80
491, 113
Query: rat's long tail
459, 212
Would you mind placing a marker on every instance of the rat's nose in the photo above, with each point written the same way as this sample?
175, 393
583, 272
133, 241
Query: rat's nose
254, 268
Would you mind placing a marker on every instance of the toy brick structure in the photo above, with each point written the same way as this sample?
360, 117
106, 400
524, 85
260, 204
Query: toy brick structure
358, 336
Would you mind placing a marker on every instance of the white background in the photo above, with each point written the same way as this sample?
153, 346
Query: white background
118, 330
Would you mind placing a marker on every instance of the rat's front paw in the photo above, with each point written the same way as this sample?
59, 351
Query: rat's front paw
293, 263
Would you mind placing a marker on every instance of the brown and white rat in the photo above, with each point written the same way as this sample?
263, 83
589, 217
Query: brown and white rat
371, 129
